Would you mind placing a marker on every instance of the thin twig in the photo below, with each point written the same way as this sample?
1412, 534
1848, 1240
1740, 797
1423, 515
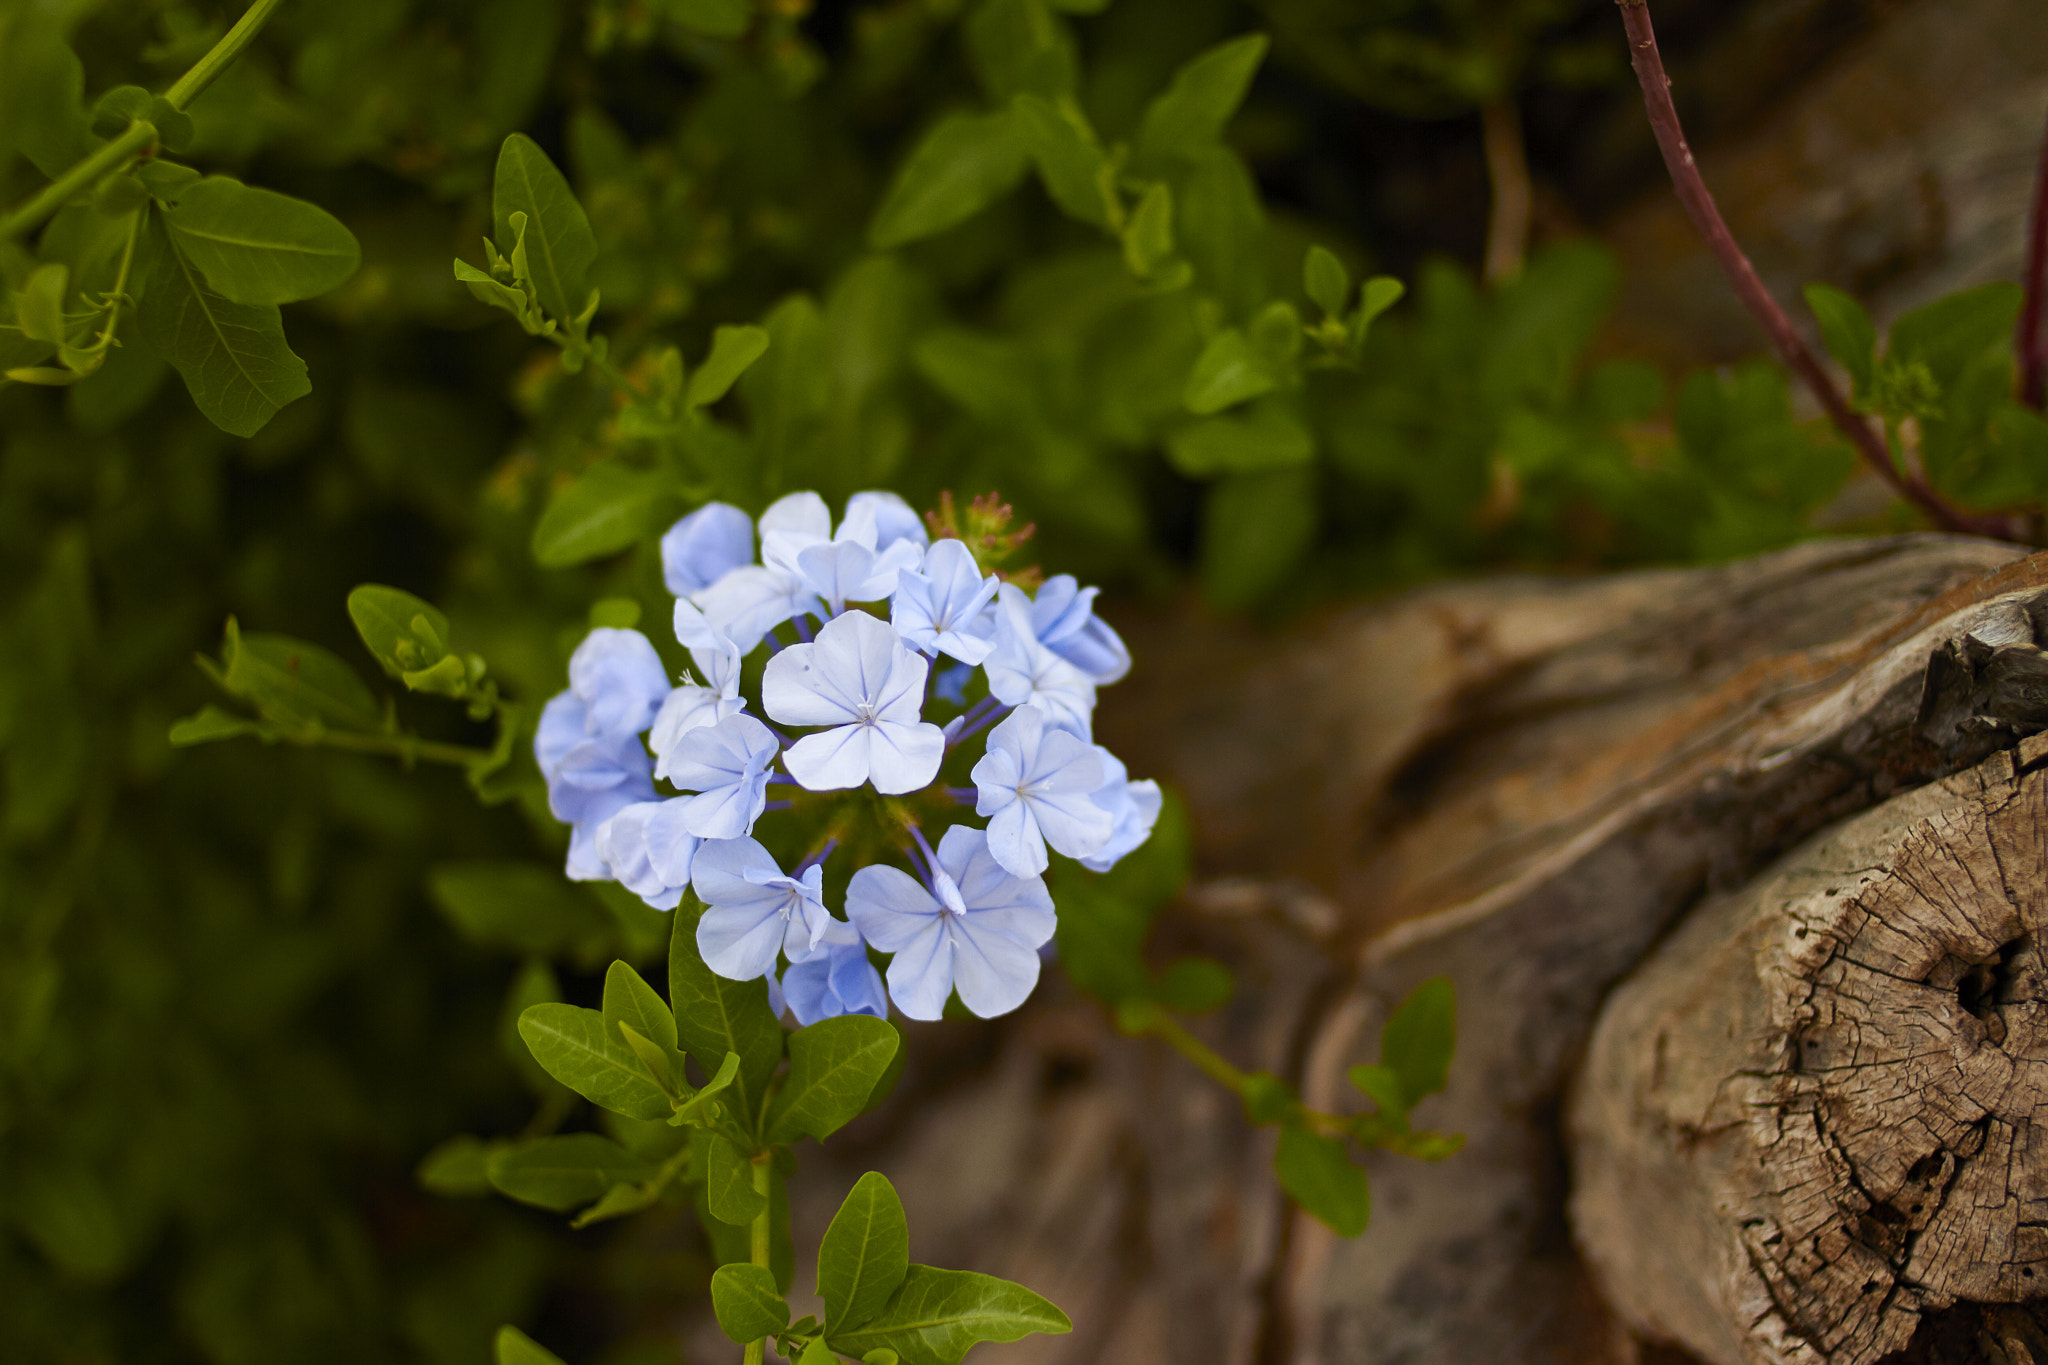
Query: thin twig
2029, 343
137, 140
1507, 171
1785, 339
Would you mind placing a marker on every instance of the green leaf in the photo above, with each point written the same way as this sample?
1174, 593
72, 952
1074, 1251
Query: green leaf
210, 724
560, 247
1195, 985
1383, 1087
936, 1315
607, 510
39, 307
577, 1048
1956, 329
1018, 47
629, 999
257, 246
864, 1255
1847, 331
618, 1201
729, 1184
833, 1067
526, 907
232, 356
294, 684
407, 636
560, 1173
1266, 436
1070, 160
747, 1305
1255, 530
1317, 1174
516, 1348
964, 164
1148, 237
1327, 281
817, 1353
1229, 371
1267, 1098
1418, 1039
698, 1105
733, 350
1189, 115
458, 1167
715, 1016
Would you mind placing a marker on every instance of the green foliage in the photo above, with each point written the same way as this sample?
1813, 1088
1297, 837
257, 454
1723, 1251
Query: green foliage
935, 1316
1317, 1174
865, 1254
834, 1066
749, 1306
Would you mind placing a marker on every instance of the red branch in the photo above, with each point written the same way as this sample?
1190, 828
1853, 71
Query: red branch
2028, 341
1785, 339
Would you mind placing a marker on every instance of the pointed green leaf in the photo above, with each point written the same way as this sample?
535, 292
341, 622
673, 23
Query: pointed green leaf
1148, 237
733, 350
458, 1167
729, 1184
1326, 281
698, 1107
516, 1348
1954, 330
295, 684
1418, 1039
257, 246
964, 164
747, 1305
715, 1016
232, 356
1382, 1087
833, 1067
629, 999
1190, 114
560, 247
210, 723
560, 1173
1847, 331
937, 1315
575, 1047
1317, 1174
1229, 370
618, 1201
1070, 160
1380, 293
864, 1255
660, 1062
406, 634
39, 307
607, 510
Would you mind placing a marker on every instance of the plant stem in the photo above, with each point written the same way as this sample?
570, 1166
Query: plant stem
1507, 171
208, 68
1785, 339
761, 1234
119, 293
138, 140
2029, 343
408, 747
1216, 1067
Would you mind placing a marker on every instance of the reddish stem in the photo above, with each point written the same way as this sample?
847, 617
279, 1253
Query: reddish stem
2028, 341
1785, 339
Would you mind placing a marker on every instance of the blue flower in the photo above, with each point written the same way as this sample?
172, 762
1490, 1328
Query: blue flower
705, 546
951, 684
894, 518
863, 681
850, 566
977, 929
943, 608
693, 705
756, 911
619, 679
1037, 782
588, 783
646, 851
1133, 809
1023, 672
834, 978
726, 765
1064, 620
744, 605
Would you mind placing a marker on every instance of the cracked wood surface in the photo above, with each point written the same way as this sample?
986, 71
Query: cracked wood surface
1521, 782
1832, 1086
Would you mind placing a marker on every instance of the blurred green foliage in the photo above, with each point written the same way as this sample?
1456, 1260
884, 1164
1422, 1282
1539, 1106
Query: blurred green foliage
988, 244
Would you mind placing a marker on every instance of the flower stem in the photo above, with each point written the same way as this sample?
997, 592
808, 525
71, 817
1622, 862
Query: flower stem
138, 140
1749, 287
410, 748
1507, 169
2030, 343
208, 68
761, 1235
1151, 1019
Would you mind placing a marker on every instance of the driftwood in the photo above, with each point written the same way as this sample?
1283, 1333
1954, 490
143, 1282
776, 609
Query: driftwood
1523, 783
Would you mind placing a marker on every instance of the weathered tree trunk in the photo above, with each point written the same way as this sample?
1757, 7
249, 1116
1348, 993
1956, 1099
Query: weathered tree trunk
1523, 783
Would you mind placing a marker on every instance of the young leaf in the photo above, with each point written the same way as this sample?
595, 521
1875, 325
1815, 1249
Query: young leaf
733, 350
575, 1047
1229, 370
715, 1016
1189, 114
833, 1067
1318, 1175
1327, 281
1381, 292
458, 1167
560, 247
817, 1353
1069, 157
729, 1184
864, 1255
516, 1348
935, 1316
39, 307
1418, 1038
744, 1298
964, 164
1383, 1087
1148, 237
407, 635
692, 1109
629, 999
618, 1201
1847, 330
1949, 333
232, 356
610, 508
560, 1173
257, 246
294, 684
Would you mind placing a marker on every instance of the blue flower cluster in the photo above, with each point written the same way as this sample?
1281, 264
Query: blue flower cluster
976, 913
